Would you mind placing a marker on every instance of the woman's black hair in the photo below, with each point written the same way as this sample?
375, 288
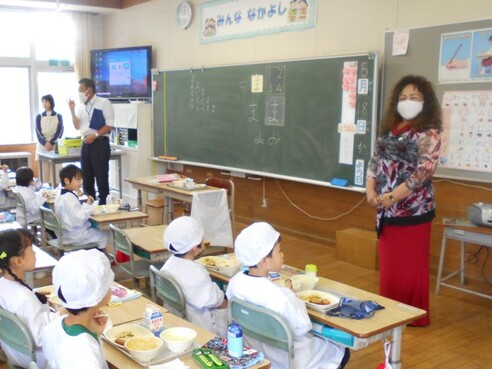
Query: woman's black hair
13, 242
50, 99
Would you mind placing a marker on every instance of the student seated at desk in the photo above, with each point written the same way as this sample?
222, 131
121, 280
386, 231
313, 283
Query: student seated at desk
82, 280
24, 178
259, 247
73, 215
205, 302
16, 258
5, 201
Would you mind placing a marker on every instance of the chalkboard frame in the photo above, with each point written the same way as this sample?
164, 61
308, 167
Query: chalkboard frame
422, 58
159, 127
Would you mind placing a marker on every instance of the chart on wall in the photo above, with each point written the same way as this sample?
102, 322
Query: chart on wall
308, 120
457, 59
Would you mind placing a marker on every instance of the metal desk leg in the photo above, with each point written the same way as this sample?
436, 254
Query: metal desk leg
396, 347
170, 209
462, 274
53, 172
441, 262
41, 174
139, 199
118, 161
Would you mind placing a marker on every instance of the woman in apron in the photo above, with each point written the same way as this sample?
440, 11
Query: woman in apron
49, 127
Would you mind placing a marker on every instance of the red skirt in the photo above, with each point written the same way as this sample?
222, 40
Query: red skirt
404, 266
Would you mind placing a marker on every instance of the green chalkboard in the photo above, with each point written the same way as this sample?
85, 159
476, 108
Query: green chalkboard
307, 120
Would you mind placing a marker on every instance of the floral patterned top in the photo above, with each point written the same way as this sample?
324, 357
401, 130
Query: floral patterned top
406, 156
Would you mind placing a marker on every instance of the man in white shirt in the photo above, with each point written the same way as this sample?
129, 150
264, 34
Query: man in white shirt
94, 119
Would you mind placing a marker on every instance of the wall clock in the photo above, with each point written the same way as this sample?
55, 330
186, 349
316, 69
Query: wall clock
184, 14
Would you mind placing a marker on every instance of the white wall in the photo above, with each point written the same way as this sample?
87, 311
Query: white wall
343, 26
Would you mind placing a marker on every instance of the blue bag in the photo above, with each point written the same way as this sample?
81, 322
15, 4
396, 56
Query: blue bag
354, 309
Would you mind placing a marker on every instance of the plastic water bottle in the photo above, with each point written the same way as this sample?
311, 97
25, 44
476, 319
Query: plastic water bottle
235, 340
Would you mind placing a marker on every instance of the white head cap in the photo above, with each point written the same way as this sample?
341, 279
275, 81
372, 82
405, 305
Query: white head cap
183, 234
84, 277
255, 242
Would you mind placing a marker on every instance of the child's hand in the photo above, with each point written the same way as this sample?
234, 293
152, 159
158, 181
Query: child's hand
90, 200
98, 322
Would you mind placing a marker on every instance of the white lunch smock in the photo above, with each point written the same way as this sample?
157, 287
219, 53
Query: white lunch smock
202, 295
74, 217
33, 200
22, 302
67, 348
311, 352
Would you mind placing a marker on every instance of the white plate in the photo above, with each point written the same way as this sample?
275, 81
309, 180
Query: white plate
305, 295
223, 264
135, 330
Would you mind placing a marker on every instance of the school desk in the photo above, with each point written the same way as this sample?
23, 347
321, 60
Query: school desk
149, 184
466, 234
44, 262
52, 159
148, 244
133, 311
102, 221
389, 321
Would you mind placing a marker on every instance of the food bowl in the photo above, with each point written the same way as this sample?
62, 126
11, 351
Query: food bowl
228, 266
121, 333
105, 209
307, 282
143, 348
180, 183
178, 339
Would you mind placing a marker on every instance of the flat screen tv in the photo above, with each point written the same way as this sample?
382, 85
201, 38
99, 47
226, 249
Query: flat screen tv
122, 73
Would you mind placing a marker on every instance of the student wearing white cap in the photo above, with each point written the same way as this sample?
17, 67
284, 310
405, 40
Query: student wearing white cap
82, 280
205, 302
258, 246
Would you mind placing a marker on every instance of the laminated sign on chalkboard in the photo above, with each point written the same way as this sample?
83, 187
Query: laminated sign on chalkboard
305, 120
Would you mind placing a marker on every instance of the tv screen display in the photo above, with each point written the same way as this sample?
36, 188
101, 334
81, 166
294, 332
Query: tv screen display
122, 72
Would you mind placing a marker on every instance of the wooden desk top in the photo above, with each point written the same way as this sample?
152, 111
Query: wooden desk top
43, 259
148, 238
150, 184
477, 229
395, 313
130, 309
120, 216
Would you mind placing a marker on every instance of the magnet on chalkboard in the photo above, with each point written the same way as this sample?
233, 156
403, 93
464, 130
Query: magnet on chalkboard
340, 182
154, 85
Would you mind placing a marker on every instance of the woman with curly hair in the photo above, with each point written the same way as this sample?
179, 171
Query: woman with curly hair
399, 185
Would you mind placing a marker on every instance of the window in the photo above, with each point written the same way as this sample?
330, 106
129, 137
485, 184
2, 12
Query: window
30, 40
16, 119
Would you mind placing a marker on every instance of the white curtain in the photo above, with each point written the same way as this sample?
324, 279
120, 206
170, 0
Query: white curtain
83, 30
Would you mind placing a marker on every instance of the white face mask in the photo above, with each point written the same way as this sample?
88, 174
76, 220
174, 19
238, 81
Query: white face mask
409, 109
83, 97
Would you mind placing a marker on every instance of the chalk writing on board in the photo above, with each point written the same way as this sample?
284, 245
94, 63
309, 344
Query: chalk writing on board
274, 110
199, 99
271, 141
253, 106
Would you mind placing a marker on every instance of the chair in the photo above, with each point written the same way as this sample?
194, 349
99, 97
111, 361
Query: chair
228, 185
49, 220
15, 334
164, 286
21, 204
263, 325
138, 269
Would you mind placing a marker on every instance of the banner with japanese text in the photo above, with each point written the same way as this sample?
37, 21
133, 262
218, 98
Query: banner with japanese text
223, 20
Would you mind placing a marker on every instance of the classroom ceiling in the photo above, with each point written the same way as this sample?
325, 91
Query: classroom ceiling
93, 6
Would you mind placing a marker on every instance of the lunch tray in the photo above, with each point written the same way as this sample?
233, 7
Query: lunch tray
162, 356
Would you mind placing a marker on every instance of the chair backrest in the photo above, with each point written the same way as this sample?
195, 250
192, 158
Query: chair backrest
263, 325
50, 221
20, 205
228, 185
164, 286
122, 243
14, 333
